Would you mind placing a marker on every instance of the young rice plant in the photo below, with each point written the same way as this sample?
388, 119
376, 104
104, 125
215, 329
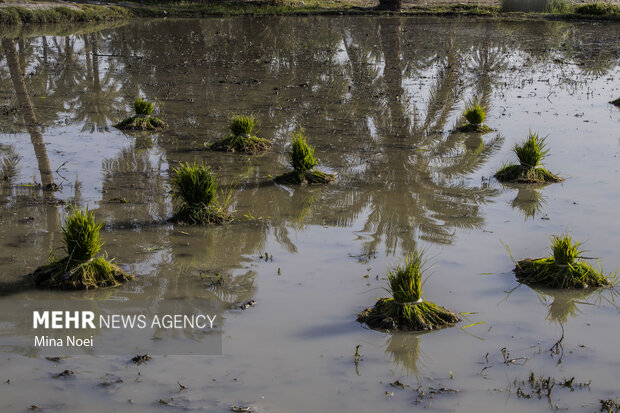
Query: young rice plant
303, 162
81, 269
195, 189
405, 309
530, 169
565, 268
142, 120
242, 138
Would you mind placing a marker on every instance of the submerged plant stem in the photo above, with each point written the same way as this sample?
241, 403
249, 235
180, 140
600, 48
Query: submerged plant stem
141, 123
314, 177
479, 128
563, 269
387, 314
67, 274
201, 214
241, 143
546, 271
524, 174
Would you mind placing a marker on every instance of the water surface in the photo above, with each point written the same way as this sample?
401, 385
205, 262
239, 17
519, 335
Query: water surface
379, 98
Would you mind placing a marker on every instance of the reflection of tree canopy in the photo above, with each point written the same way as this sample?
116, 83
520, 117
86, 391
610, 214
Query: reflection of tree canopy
377, 97
135, 173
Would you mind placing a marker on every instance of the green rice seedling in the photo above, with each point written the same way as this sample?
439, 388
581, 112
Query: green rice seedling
405, 309
301, 156
142, 120
616, 102
81, 235
474, 114
565, 268
530, 169
598, 9
242, 125
303, 162
195, 188
81, 269
143, 107
242, 138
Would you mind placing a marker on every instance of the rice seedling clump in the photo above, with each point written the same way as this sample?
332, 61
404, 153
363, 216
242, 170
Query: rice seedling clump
303, 162
565, 268
142, 120
242, 138
474, 114
530, 169
406, 310
598, 9
194, 187
82, 268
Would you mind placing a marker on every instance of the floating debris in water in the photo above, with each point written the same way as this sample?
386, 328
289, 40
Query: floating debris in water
247, 305
610, 405
55, 359
397, 383
139, 359
65, 373
540, 386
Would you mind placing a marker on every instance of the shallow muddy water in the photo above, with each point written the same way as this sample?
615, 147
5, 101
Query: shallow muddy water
378, 98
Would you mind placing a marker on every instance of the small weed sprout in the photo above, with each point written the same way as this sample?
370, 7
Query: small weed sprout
142, 120
474, 114
195, 188
242, 138
530, 169
303, 162
563, 269
81, 269
406, 310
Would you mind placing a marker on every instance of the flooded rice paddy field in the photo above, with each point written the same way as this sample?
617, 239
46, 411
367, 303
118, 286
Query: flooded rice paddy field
379, 98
